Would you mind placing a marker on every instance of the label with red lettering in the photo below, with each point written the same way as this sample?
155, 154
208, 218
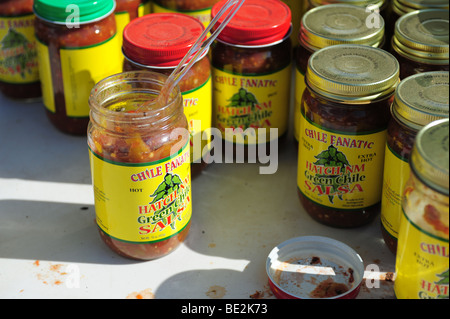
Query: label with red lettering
142, 203
340, 170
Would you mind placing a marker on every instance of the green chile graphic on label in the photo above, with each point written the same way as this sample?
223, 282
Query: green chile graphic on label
336, 159
170, 188
443, 281
247, 102
18, 53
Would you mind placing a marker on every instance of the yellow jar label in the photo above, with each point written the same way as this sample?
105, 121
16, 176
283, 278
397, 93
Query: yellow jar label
396, 174
339, 170
198, 111
422, 263
82, 68
123, 18
300, 87
251, 101
18, 53
204, 16
142, 203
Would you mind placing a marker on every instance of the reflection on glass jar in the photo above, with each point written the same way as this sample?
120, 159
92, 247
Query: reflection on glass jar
422, 255
145, 50
421, 42
329, 25
77, 47
344, 118
251, 63
140, 165
19, 72
419, 100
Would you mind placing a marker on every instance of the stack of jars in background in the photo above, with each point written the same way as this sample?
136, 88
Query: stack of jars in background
359, 109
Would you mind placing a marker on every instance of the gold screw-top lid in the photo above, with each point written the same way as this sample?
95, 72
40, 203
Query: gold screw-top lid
423, 36
430, 156
338, 24
402, 7
352, 73
360, 3
422, 98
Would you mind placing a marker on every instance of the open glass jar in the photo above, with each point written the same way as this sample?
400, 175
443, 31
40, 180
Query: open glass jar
140, 165
422, 255
158, 42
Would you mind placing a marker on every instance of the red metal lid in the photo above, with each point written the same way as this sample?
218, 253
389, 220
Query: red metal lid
256, 23
160, 39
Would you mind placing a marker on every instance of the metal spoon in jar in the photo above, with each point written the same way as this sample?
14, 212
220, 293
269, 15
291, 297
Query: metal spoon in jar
197, 50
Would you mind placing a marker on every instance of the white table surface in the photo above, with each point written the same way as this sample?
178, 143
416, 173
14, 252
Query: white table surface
50, 247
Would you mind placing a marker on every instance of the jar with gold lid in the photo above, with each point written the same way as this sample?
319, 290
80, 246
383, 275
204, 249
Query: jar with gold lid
402, 7
419, 100
343, 125
325, 26
421, 42
374, 5
422, 255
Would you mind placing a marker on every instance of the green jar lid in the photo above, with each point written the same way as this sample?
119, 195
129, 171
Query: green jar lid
430, 155
73, 11
422, 98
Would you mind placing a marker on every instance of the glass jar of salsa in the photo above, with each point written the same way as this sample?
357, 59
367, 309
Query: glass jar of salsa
200, 9
421, 42
140, 164
379, 6
251, 63
419, 100
399, 8
344, 119
19, 72
329, 25
422, 255
77, 47
158, 42
128, 10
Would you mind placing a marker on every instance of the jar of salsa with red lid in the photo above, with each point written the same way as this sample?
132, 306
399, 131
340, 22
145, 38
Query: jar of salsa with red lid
328, 25
421, 42
158, 42
77, 47
199, 9
344, 118
19, 72
140, 165
419, 100
251, 62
